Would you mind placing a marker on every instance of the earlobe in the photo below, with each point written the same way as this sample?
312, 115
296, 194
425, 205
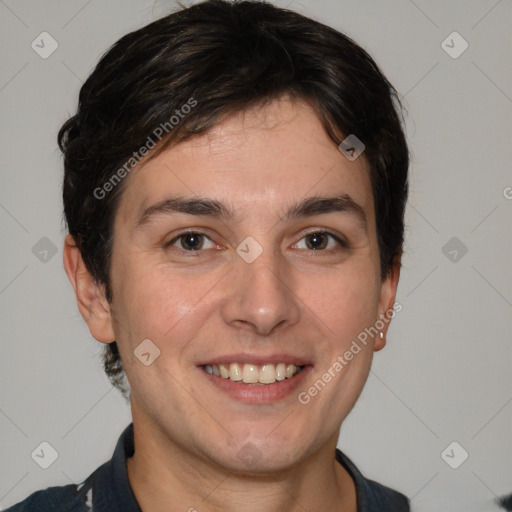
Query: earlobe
90, 295
387, 301
380, 342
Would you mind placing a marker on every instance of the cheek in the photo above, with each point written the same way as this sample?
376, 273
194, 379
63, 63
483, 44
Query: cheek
153, 301
345, 300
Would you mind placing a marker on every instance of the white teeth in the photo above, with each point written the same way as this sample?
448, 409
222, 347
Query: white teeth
253, 374
224, 372
268, 374
234, 372
281, 371
250, 374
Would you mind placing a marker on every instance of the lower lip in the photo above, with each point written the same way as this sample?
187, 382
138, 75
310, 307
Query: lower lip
258, 394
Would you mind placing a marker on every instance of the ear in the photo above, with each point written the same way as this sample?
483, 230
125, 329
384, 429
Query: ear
90, 296
387, 301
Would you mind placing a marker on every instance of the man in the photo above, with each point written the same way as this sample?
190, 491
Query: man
235, 185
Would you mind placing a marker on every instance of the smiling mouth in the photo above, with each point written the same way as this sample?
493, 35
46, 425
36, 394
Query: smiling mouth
247, 373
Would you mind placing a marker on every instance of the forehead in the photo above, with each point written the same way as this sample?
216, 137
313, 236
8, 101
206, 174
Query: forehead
264, 158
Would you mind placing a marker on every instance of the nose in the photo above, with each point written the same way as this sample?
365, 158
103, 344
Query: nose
261, 296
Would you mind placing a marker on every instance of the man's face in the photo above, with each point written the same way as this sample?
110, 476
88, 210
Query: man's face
248, 288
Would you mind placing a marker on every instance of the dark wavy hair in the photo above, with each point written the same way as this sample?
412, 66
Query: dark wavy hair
228, 56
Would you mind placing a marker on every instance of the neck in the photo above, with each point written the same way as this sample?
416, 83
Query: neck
163, 474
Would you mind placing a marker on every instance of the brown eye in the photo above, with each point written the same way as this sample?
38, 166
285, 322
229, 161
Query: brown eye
316, 241
319, 241
191, 241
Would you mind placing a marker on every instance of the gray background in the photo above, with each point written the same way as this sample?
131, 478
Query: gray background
445, 374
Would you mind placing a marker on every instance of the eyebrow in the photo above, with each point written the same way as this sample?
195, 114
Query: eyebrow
308, 207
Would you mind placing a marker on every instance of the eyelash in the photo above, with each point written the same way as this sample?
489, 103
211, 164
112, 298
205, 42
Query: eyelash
195, 253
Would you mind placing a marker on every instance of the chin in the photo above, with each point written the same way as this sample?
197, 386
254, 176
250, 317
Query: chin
259, 455
251, 460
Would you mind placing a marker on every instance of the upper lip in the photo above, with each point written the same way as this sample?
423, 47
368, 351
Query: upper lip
256, 359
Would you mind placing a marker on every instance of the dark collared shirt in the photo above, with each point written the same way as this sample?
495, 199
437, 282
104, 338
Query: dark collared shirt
108, 489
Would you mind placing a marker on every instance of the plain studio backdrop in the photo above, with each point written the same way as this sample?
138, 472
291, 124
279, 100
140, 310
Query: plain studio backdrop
435, 418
